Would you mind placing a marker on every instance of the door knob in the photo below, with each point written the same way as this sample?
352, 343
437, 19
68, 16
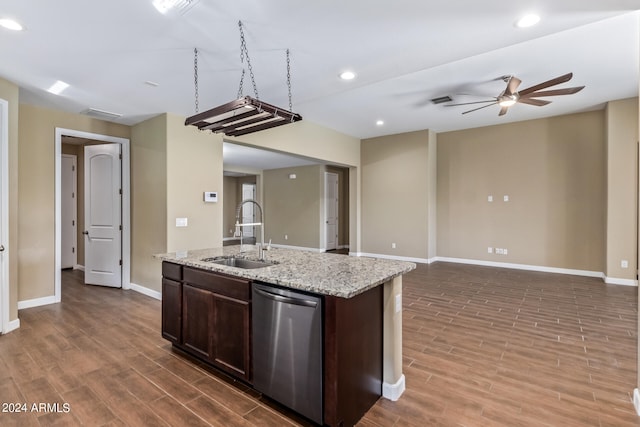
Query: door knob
85, 232
1, 248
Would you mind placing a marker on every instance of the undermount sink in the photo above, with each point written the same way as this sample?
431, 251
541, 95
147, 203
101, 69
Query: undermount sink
238, 262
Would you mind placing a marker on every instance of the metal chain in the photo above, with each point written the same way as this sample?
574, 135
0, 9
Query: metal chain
244, 52
289, 80
195, 74
241, 84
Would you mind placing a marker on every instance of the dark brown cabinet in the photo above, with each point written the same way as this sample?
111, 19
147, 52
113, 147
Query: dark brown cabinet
208, 315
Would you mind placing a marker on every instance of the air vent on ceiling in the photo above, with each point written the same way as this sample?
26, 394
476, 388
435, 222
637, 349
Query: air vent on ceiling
101, 114
441, 99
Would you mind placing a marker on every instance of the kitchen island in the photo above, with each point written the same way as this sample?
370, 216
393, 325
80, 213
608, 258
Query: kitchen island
207, 309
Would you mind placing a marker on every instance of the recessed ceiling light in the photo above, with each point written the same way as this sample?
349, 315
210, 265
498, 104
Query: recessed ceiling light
58, 87
164, 6
528, 20
379, 122
10, 24
347, 75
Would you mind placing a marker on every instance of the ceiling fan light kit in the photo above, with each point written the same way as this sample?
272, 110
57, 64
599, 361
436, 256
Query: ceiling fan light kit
511, 96
246, 114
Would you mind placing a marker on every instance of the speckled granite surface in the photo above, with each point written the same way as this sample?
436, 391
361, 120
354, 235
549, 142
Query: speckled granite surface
322, 273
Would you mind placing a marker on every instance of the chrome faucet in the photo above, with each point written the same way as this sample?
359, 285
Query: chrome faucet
239, 226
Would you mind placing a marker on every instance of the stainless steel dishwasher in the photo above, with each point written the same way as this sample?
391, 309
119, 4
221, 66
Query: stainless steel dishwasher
287, 348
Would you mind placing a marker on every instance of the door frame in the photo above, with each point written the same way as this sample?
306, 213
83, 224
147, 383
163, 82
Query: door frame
74, 238
126, 203
324, 211
5, 323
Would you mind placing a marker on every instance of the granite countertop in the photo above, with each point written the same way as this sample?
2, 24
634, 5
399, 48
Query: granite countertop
322, 273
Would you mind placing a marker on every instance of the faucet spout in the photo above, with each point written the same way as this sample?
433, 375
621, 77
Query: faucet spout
240, 225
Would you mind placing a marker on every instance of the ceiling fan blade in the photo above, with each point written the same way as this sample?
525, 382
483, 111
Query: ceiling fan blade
503, 111
480, 108
469, 103
554, 92
512, 86
548, 83
533, 101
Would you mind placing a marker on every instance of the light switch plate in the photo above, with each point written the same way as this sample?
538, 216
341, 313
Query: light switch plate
181, 222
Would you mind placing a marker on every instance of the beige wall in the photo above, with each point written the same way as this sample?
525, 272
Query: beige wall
148, 200
622, 189
554, 172
36, 192
194, 165
395, 195
292, 207
9, 92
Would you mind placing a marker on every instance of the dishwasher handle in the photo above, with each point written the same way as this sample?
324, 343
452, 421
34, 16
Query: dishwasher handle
286, 300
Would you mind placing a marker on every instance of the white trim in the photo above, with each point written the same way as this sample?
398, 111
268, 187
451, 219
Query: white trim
298, 248
586, 273
13, 325
37, 302
636, 400
146, 291
6, 324
617, 281
126, 203
393, 391
78, 267
393, 257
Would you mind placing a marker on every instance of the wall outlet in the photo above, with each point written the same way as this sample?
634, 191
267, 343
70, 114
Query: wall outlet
286, 237
490, 199
505, 198
181, 222
489, 250
505, 252
393, 246
398, 303
624, 263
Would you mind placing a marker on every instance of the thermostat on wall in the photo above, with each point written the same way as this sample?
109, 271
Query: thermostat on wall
210, 196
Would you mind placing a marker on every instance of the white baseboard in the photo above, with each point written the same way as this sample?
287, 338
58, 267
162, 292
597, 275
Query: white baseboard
37, 302
78, 267
544, 269
393, 391
298, 248
636, 400
146, 291
393, 257
12, 326
617, 281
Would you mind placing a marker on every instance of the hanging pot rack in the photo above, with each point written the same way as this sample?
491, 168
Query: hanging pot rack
246, 114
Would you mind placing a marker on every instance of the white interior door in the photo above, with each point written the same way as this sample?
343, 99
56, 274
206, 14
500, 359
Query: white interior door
331, 210
69, 209
248, 212
102, 215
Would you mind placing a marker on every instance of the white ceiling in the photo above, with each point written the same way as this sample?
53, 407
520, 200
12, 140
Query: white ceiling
405, 52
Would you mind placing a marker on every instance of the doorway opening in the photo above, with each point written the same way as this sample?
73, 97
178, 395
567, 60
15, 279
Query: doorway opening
124, 148
5, 324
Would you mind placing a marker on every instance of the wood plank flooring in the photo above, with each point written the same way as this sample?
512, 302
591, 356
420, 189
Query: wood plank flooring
482, 347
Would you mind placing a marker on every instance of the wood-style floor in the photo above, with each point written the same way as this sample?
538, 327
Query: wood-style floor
482, 347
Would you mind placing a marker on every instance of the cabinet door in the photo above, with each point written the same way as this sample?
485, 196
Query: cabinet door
171, 310
197, 313
231, 336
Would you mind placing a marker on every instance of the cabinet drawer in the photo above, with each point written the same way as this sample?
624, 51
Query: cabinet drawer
172, 271
220, 284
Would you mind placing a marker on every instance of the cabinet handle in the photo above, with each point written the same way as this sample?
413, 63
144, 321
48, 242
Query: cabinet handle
286, 300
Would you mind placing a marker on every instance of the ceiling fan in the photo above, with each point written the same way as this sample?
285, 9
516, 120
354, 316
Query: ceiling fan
530, 95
